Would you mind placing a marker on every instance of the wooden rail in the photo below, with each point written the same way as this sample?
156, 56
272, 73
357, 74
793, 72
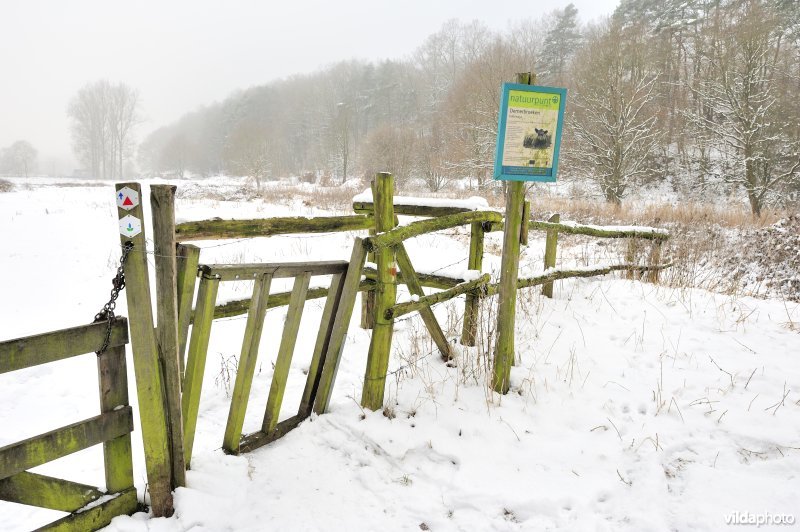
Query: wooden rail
216, 229
397, 235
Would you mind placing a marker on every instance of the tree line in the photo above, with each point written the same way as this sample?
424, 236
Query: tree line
696, 95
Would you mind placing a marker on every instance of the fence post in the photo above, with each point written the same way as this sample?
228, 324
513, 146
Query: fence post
368, 296
145, 350
469, 330
550, 249
509, 268
380, 344
654, 260
631, 252
526, 219
162, 205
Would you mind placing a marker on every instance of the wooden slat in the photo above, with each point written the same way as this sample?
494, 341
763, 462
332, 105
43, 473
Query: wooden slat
196, 363
219, 229
97, 517
340, 324
188, 259
113, 378
247, 364
47, 492
242, 272
285, 352
259, 439
321, 346
57, 345
38, 450
415, 288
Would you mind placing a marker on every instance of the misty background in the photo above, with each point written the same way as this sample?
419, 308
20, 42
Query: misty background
694, 97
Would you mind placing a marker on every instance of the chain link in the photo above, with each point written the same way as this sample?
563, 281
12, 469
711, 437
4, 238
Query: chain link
118, 282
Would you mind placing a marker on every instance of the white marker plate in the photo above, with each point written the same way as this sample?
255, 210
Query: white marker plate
130, 226
127, 198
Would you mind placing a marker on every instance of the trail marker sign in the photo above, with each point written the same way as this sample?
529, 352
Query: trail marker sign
130, 226
127, 198
529, 132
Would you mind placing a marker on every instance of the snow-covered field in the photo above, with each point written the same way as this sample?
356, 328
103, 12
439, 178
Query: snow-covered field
633, 406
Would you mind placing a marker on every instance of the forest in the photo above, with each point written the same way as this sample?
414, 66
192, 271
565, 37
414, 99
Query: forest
698, 96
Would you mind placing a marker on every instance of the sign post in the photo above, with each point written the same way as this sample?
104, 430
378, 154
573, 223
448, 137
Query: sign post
528, 142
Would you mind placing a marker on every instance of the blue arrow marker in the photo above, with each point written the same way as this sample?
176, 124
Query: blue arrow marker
120, 195
130, 227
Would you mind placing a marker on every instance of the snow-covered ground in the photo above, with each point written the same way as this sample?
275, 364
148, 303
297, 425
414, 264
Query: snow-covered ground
633, 406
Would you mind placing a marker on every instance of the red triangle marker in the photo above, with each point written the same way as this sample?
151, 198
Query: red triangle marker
127, 201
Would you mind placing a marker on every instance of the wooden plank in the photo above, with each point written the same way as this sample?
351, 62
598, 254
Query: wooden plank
366, 207
260, 438
188, 259
368, 297
550, 252
196, 363
401, 309
17, 457
441, 282
391, 237
219, 229
113, 383
380, 345
285, 352
321, 346
47, 492
149, 380
590, 230
57, 345
469, 330
247, 364
341, 322
242, 272
162, 207
415, 288
96, 517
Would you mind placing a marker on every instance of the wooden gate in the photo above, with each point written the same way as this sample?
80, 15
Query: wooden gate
112, 428
346, 277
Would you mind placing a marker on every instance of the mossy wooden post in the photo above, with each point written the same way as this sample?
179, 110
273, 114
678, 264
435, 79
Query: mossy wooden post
188, 259
469, 330
149, 384
550, 250
631, 253
368, 297
162, 206
385, 297
655, 258
526, 222
509, 267
113, 379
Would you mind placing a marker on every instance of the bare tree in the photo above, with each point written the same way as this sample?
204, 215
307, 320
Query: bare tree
613, 119
249, 151
103, 117
389, 149
742, 102
18, 159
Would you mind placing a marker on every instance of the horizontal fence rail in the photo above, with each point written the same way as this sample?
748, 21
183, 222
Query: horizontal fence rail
217, 229
66, 343
241, 272
404, 232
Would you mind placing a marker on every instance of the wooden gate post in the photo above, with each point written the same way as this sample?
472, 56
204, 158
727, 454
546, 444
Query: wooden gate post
380, 344
162, 204
550, 250
149, 386
509, 269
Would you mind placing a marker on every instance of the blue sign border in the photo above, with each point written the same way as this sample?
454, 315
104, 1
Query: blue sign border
524, 173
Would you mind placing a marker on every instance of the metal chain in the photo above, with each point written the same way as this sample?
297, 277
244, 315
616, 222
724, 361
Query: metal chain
118, 282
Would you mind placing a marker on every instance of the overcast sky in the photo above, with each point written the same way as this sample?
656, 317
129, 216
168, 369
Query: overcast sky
182, 54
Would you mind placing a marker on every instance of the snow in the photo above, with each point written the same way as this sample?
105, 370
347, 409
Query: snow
474, 203
636, 228
633, 407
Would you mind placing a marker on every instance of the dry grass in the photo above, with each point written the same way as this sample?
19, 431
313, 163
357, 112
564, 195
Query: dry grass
6, 186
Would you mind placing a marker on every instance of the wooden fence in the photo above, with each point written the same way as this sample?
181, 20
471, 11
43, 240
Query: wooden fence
89, 507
